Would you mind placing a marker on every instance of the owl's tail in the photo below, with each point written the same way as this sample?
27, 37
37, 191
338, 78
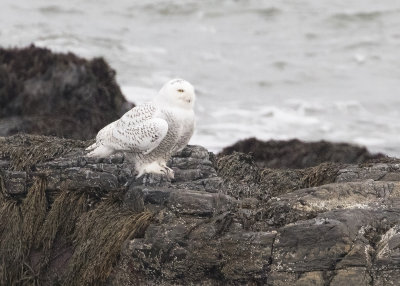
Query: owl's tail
100, 152
91, 147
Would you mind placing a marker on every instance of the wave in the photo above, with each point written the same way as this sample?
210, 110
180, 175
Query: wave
359, 16
346, 121
56, 9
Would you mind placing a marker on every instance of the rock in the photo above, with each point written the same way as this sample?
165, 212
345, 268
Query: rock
56, 94
244, 178
133, 199
223, 220
296, 154
352, 276
315, 278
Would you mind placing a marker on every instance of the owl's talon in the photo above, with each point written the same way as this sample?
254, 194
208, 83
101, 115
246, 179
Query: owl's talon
168, 172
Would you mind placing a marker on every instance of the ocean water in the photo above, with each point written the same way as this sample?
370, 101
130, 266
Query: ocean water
304, 69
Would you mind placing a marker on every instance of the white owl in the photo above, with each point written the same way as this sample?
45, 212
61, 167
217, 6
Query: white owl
150, 133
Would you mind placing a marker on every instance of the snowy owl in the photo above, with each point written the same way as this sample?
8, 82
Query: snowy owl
150, 133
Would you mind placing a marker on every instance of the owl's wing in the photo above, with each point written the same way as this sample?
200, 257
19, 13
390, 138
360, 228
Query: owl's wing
138, 131
138, 114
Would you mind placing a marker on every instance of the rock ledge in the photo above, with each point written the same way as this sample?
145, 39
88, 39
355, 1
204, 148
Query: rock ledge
223, 220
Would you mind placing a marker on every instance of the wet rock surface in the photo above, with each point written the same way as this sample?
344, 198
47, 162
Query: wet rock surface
56, 94
297, 154
224, 220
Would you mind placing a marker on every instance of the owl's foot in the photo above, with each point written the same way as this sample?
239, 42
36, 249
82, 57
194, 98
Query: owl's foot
156, 169
168, 172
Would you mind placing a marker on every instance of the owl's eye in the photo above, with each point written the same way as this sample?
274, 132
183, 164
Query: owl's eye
180, 90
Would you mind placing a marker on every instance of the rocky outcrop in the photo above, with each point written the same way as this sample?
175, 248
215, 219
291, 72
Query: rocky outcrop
297, 154
224, 220
56, 94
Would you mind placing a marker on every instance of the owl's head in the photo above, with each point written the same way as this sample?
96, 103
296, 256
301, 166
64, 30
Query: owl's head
178, 92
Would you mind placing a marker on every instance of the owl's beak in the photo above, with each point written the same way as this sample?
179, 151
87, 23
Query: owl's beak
186, 98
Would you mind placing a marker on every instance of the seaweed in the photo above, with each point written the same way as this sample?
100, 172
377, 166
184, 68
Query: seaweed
24, 151
98, 237
18, 227
95, 233
244, 178
68, 236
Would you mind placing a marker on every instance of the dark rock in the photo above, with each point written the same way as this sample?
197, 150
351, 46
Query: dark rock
56, 94
133, 199
307, 203
155, 196
301, 247
297, 154
221, 221
197, 203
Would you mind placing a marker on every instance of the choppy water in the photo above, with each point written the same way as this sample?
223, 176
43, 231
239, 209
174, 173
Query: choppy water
272, 69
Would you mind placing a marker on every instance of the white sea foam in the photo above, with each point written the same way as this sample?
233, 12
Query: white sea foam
138, 95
